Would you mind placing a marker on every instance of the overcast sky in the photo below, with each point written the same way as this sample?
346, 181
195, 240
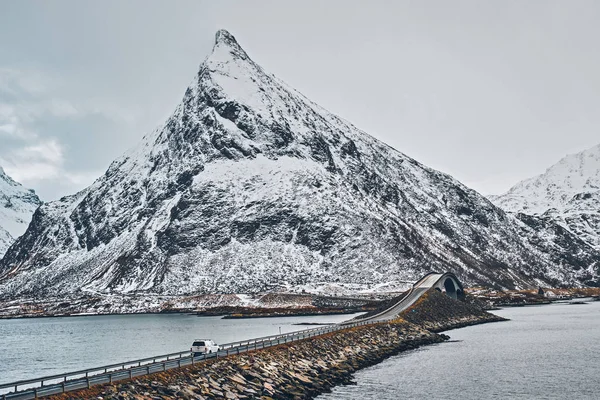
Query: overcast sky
490, 92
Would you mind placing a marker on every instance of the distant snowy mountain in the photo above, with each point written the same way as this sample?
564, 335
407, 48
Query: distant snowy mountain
17, 205
250, 186
567, 193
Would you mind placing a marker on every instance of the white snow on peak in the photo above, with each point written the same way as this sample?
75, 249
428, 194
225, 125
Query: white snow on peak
224, 38
17, 205
250, 186
556, 188
569, 192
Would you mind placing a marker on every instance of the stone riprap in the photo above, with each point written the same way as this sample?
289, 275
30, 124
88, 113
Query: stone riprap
298, 370
437, 312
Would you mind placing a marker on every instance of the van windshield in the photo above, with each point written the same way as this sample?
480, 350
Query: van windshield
198, 344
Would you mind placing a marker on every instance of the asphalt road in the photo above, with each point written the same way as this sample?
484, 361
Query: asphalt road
113, 376
416, 292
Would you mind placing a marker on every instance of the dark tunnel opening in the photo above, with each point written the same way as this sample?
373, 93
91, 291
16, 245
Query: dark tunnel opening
450, 288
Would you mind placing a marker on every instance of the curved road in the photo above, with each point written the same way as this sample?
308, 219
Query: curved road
418, 289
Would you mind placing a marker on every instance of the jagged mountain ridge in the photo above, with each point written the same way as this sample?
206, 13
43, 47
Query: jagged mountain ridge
567, 193
250, 186
17, 205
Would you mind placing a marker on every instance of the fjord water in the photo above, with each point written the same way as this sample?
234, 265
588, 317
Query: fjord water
543, 352
36, 347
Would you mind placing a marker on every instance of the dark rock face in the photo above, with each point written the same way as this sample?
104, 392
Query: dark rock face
250, 186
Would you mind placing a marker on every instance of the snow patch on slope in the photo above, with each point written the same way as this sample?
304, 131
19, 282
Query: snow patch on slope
251, 187
568, 193
17, 205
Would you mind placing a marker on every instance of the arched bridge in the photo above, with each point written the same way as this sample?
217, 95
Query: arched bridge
449, 284
34, 388
446, 283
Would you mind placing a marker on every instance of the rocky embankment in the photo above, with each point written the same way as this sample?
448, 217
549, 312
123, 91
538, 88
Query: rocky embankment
303, 369
436, 312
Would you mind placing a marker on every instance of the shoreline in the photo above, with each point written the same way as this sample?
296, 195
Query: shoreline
468, 324
27, 316
234, 305
303, 369
195, 314
492, 298
226, 316
299, 314
242, 312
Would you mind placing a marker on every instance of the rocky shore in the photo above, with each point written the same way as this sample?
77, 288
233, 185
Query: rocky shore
437, 313
303, 369
236, 305
493, 298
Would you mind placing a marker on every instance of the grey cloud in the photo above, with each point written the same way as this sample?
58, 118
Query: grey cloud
489, 91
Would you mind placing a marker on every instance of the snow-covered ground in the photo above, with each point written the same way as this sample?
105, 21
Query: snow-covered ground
101, 303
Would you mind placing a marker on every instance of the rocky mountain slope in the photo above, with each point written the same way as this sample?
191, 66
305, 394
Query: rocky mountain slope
249, 186
568, 193
17, 205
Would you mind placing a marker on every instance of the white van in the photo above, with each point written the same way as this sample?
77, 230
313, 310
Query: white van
204, 346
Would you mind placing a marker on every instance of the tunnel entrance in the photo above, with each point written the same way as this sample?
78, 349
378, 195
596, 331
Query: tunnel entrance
451, 289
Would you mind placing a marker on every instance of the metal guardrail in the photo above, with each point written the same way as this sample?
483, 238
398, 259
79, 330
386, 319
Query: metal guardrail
87, 371
151, 367
146, 366
406, 295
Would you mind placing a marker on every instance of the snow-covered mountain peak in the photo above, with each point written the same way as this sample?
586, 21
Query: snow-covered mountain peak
224, 38
223, 35
250, 186
15, 198
567, 180
568, 192
5, 178
226, 49
17, 205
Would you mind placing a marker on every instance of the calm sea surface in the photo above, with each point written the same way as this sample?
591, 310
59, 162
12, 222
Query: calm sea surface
36, 347
544, 352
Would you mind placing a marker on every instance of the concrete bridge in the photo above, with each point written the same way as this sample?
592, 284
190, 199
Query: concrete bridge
446, 283
449, 284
